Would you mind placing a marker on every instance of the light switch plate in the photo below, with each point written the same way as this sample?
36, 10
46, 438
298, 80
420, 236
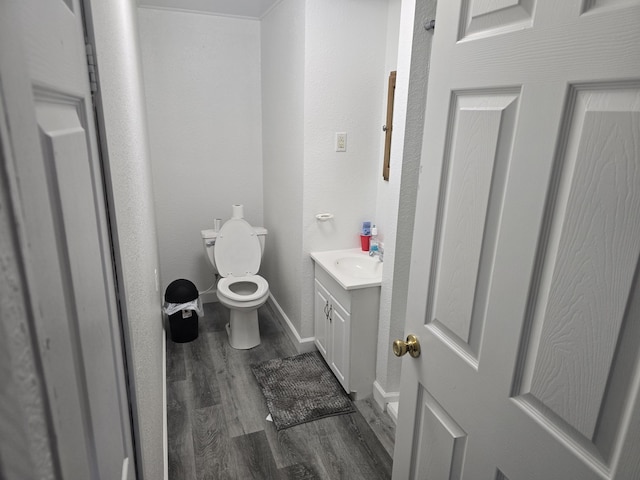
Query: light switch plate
341, 141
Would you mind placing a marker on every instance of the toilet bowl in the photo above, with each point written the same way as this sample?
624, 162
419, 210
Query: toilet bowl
237, 253
243, 292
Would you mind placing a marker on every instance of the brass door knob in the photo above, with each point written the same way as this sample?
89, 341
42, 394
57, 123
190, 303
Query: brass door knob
412, 345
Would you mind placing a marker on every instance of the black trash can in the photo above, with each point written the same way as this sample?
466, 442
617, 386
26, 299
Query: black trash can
183, 323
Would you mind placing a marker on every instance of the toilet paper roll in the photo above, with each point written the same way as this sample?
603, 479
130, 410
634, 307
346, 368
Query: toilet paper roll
217, 223
237, 211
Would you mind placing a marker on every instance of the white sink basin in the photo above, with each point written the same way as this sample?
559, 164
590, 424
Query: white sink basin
360, 266
351, 268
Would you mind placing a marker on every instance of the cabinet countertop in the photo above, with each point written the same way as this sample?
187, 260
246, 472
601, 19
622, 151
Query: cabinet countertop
329, 261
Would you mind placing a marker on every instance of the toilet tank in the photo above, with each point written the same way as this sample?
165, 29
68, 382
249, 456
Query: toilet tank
209, 240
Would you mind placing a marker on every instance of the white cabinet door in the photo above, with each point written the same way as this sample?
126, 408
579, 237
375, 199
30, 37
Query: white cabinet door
321, 319
524, 286
332, 330
340, 332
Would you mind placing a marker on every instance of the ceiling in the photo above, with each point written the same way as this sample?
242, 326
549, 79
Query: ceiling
233, 8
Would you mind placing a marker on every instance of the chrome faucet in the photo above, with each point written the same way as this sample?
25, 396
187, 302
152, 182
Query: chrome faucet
379, 253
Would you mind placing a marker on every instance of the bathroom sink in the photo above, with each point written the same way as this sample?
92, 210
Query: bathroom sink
359, 266
351, 268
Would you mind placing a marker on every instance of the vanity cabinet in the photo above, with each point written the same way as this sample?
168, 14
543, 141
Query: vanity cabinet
346, 331
332, 328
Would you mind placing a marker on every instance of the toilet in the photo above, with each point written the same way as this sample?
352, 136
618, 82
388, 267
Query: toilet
235, 253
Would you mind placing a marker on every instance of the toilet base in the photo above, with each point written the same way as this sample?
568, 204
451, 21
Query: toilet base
243, 330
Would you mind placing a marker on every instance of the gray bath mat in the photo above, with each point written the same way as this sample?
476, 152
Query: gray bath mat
300, 389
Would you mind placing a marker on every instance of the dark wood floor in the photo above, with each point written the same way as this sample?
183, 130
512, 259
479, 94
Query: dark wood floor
217, 424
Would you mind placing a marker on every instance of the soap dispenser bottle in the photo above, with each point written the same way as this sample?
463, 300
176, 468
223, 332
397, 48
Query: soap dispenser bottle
373, 242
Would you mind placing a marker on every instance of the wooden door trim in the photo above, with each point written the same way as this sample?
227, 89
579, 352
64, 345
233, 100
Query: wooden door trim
389, 125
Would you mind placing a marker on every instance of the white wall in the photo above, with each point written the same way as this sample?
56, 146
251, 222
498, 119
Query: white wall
203, 98
283, 50
387, 194
124, 139
323, 72
414, 47
345, 46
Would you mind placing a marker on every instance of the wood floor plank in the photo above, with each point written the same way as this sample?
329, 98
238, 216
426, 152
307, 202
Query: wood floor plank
379, 421
215, 318
269, 326
212, 449
298, 472
176, 369
367, 454
253, 457
312, 444
293, 445
269, 350
300, 445
274, 341
283, 446
201, 372
240, 394
180, 448
336, 455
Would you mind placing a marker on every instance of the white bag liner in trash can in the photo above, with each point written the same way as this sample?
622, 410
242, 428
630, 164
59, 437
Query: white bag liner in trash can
195, 305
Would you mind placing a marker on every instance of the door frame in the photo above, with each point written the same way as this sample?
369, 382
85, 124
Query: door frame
116, 257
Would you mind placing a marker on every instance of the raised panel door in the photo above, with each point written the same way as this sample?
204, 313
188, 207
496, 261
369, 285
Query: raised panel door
524, 288
68, 251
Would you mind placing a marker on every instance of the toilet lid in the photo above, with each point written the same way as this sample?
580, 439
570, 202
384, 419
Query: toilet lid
237, 252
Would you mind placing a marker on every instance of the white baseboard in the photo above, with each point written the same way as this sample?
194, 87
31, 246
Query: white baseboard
392, 410
383, 398
303, 345
165, 439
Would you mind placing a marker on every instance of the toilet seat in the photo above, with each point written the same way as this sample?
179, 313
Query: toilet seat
237, 252
226, 288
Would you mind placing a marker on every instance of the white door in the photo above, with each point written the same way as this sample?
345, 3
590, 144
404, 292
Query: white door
524, 287
57, 174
